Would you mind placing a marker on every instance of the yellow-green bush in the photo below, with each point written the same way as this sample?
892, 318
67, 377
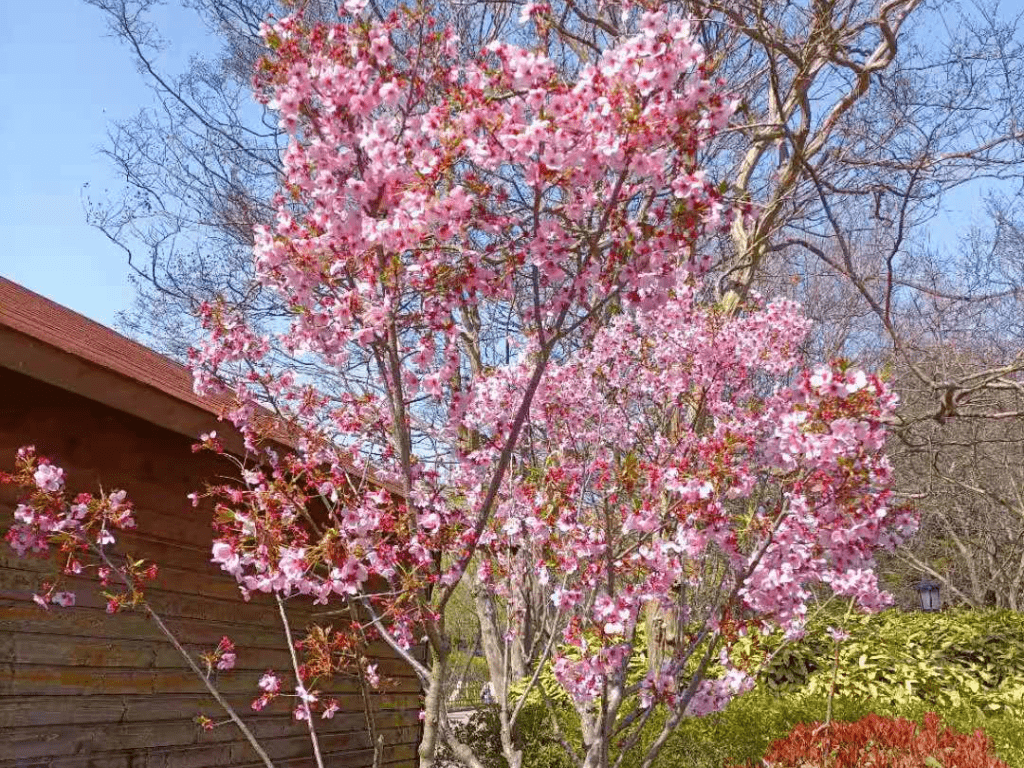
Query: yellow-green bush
967, 666
949, 660
742, 733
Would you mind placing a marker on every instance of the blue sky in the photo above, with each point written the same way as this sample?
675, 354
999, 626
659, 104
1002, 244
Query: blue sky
65, 81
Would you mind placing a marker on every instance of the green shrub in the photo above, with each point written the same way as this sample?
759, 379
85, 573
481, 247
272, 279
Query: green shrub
741, 734
947, 660
966, 665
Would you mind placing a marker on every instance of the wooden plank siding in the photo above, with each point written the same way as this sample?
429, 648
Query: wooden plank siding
82, 689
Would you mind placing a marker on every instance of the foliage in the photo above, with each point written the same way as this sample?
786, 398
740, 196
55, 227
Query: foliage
469, 676
973, 658
946, 660
743, 732
881, 742
740, 734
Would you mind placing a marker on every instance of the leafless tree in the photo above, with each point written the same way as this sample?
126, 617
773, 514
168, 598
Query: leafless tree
966, 477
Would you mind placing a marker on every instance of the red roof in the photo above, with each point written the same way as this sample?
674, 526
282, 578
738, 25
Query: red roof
55, 344
56, 325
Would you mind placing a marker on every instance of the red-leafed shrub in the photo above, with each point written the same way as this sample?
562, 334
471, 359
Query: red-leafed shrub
881, 742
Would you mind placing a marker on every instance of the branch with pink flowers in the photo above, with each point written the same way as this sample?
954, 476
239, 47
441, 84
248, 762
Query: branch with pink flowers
79, 534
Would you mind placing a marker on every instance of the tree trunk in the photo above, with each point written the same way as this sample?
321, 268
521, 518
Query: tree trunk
432, 713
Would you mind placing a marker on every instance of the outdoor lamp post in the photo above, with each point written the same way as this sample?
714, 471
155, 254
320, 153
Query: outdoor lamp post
929, 592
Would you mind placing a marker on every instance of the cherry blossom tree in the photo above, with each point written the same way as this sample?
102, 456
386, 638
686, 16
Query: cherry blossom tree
493, 274
912, 102
500, 369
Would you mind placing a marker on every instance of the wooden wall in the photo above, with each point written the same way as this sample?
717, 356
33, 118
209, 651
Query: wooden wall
80, 688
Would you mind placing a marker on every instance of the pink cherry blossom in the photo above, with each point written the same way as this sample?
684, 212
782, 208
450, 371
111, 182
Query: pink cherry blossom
49, 478
839, 635
372, 678
225, 654
270, 683
74, 531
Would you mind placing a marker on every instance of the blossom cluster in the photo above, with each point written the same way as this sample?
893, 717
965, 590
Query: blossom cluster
432, 184
222, 658
770, 488
306, 700
78, 532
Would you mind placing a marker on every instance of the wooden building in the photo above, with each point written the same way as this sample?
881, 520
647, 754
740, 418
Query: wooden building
80, 688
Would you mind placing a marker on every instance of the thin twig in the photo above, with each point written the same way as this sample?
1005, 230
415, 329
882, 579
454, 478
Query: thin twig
295, 667
249, 736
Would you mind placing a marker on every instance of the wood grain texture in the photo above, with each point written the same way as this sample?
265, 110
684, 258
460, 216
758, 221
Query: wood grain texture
83, 689
64, 740
341, 749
